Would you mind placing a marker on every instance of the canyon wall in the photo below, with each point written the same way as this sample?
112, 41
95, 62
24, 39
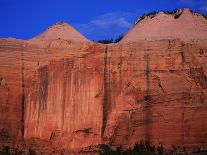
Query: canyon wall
157, 93
76, 95
10, 89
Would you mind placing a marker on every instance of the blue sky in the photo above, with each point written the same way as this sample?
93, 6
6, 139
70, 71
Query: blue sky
96, 19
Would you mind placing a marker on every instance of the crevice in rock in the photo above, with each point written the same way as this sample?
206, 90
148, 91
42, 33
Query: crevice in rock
147, 72
170, 45
106, 91
199, 77
85, 130
120, 64
129, 130
182, 54
113, 137
160, 84
201, 52
52, 135
65, 80
55, 135
1, 80
148, 98
176, 16
22, 94
169, 59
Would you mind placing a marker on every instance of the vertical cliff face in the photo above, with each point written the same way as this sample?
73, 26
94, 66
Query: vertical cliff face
67, 103
25, 74
11, 82
77, 94
120, 94
157, 92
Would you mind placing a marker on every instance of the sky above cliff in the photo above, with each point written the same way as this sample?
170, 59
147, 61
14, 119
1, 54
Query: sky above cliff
96, 19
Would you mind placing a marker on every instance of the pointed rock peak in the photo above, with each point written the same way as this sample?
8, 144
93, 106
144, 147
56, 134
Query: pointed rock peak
186, 11
62, 23
59, 25
61, 30
182, 12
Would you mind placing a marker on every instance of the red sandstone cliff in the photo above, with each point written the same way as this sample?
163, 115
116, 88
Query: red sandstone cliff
73, 95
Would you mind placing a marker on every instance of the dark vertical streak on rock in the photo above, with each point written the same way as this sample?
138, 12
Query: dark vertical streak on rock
106, 91
199, 76
129, 125
42, 89
147, 74
169, 59
148, 113
182, 53
183, 59
183, 123
23, 94
43, 86
120, 64
64, 91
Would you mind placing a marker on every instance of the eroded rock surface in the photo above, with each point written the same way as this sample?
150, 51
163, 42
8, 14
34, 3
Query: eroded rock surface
89, 94
57, 93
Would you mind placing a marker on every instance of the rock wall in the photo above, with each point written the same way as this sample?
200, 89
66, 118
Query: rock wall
77, 95
67, 103
11, 88
157, 93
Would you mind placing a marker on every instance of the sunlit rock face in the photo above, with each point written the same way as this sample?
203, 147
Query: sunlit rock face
60, 30
10, 89
157, 93
182, 24
88, 94
27, 69
58, 93
65, 103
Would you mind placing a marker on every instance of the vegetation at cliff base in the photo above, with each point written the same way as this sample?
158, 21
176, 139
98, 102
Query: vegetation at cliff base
141, 148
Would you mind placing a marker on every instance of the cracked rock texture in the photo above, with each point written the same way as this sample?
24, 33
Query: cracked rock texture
73, 95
